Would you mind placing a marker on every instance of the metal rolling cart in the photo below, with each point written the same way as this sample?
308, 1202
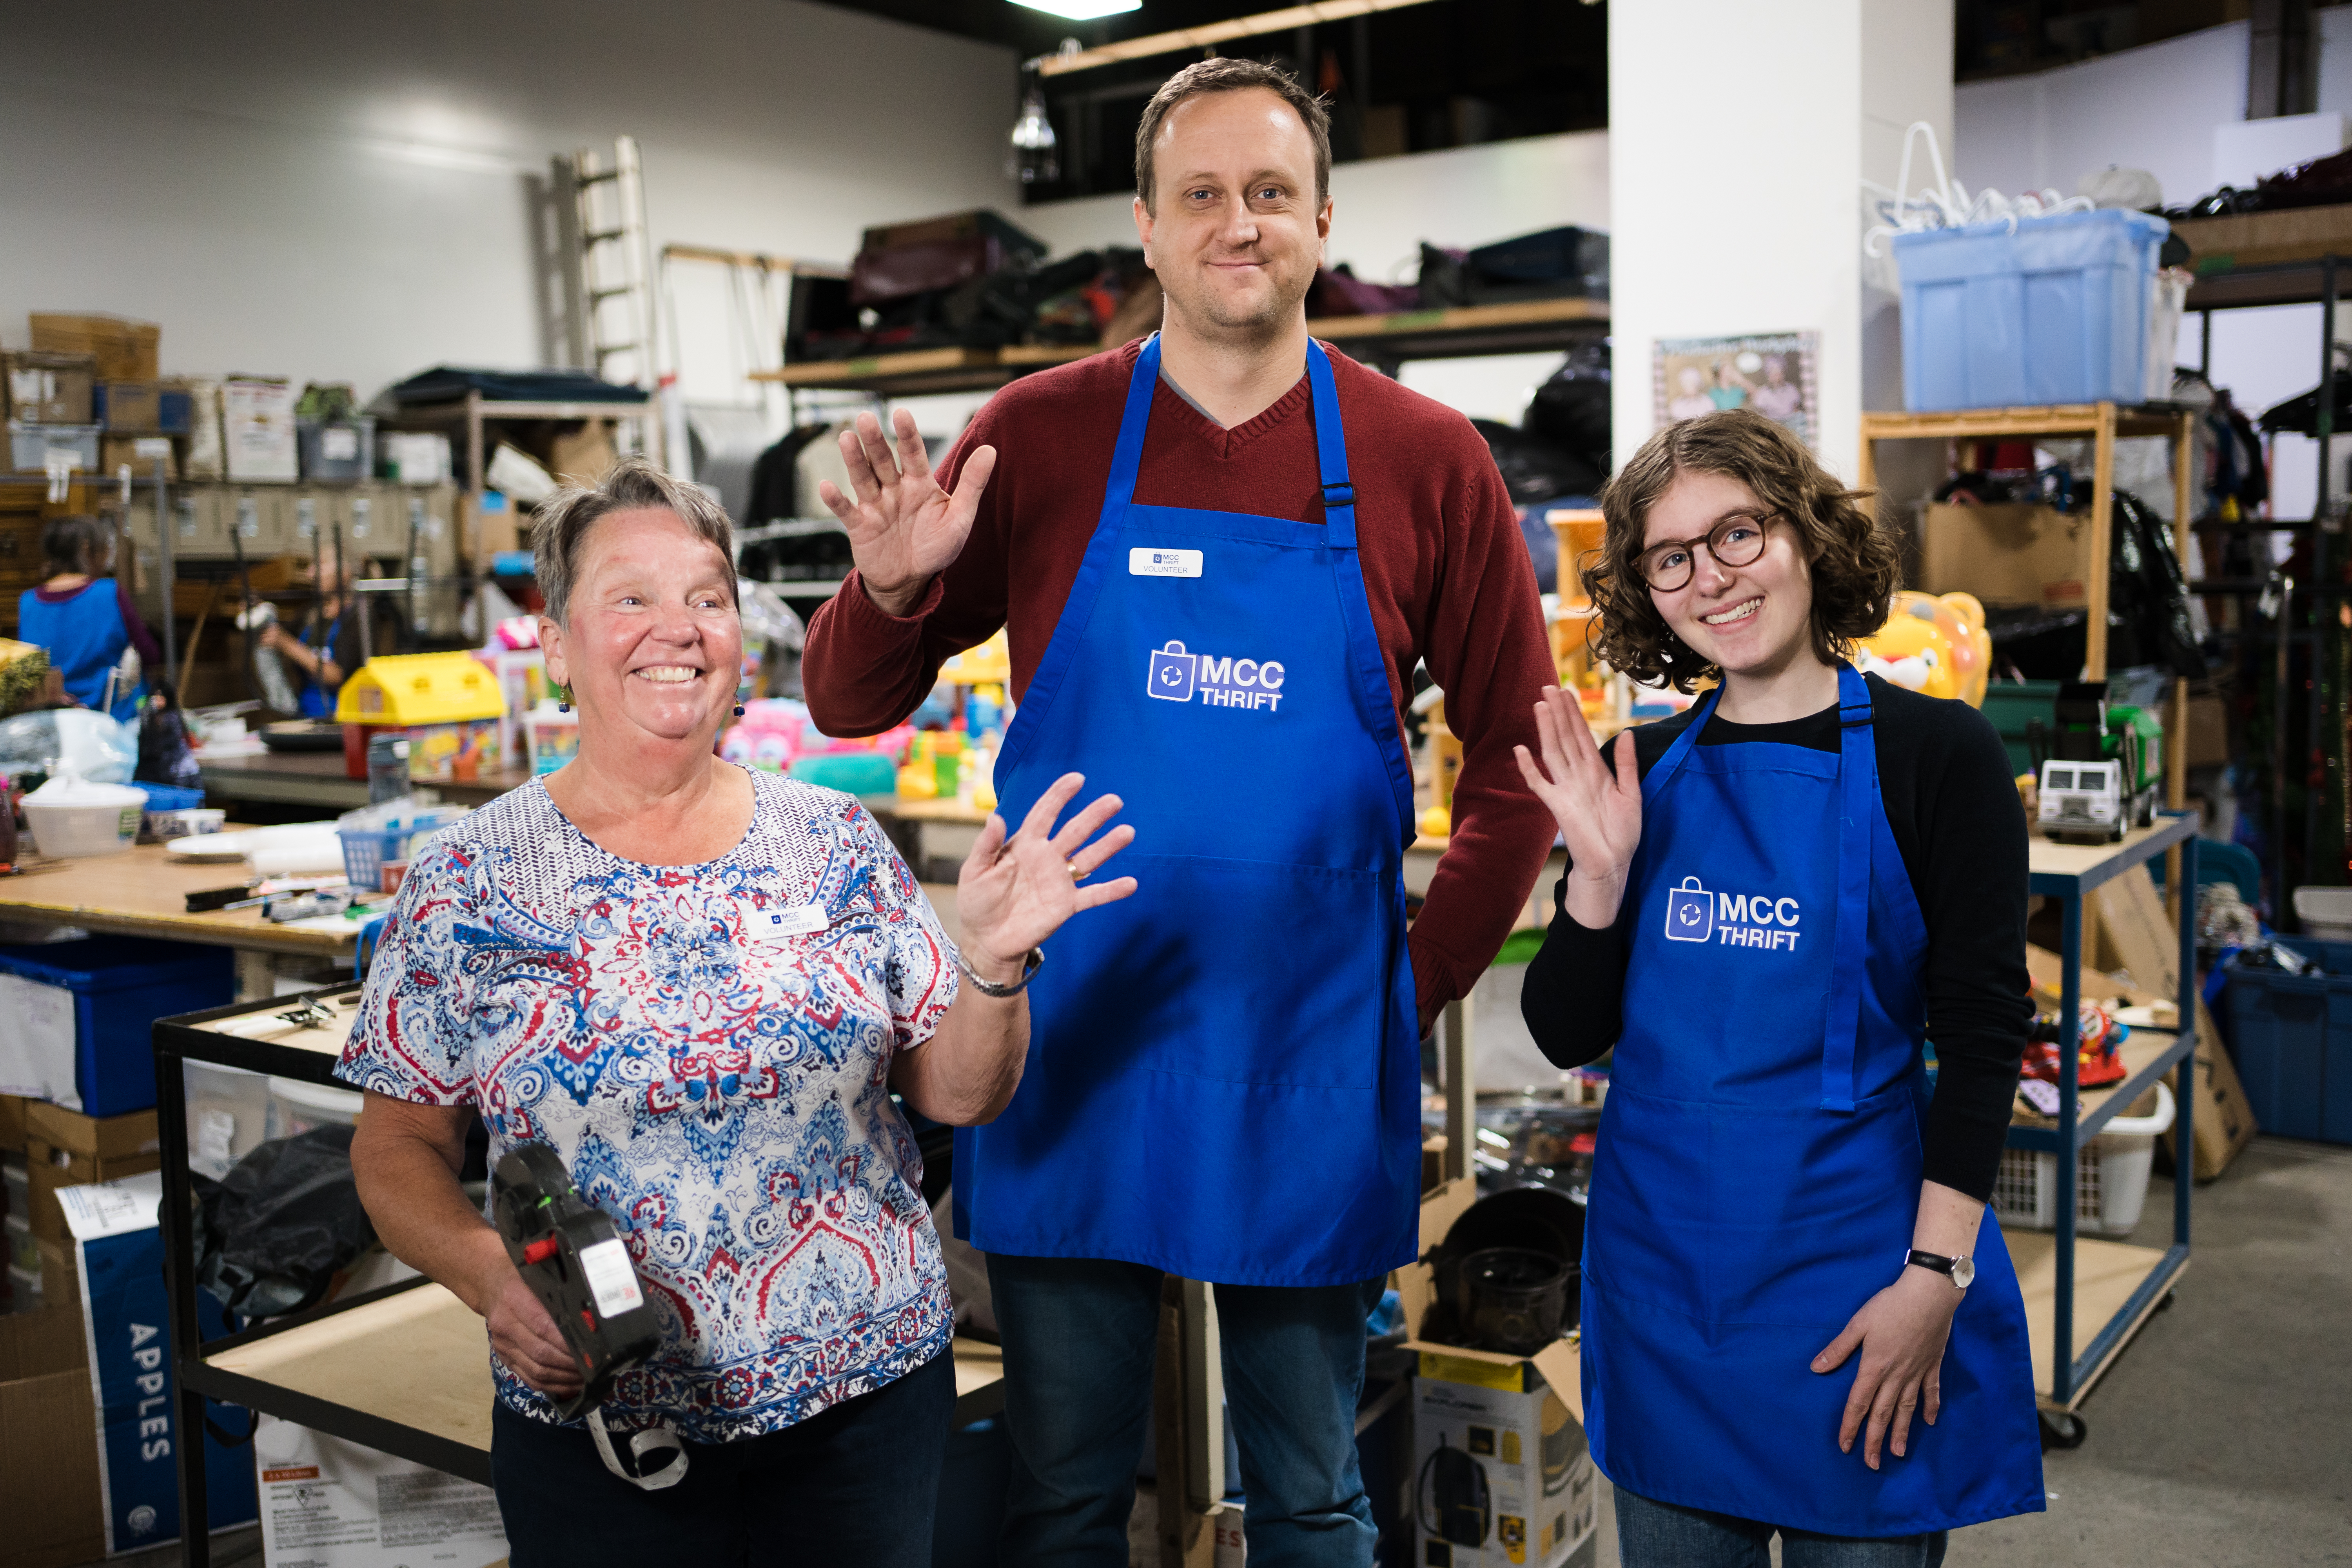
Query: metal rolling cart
403, 1369
2117, 1284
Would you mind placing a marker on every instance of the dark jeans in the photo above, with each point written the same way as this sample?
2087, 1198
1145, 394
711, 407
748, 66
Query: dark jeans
1080, 1336
857, 1483
1664, 1535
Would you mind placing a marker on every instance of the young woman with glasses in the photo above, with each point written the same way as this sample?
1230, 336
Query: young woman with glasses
1795, 1321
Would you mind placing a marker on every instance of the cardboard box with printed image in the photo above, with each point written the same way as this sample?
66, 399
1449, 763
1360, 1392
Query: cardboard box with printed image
48, 388
1501, 1476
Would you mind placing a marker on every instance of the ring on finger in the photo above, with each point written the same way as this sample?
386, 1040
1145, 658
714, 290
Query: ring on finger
1077, 872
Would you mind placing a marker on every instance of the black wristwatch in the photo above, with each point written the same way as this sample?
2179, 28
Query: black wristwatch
1961, 1271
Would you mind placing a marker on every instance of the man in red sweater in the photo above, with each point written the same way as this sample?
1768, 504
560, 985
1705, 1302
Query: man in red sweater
1219, 554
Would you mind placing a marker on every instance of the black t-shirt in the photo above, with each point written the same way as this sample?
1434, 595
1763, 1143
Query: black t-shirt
1944, 776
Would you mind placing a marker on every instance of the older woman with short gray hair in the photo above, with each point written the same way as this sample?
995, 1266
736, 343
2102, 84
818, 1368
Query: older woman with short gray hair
700, 986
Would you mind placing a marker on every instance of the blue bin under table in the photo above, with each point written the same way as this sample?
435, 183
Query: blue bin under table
2050, 310
2291, 1035
120, 985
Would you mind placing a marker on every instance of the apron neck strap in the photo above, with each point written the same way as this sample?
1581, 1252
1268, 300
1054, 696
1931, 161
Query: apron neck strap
1330, 441
1332, 451
1857, 801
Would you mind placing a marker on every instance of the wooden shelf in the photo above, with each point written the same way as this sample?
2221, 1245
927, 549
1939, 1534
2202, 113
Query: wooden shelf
1529, 327
2052, 419
2107, 1276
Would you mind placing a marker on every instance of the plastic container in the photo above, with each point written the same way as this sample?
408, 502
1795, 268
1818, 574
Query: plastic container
367, 850
228, 1115
852, 772
336, 450
30, 446
297, 1106
2291, 1035
72, 817
2110, 1176
120, 985
2325, 913
2051, 310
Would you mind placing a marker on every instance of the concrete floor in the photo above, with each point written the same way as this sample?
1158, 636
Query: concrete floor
2223, 1436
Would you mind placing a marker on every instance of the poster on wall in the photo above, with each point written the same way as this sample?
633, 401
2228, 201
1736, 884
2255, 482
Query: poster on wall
1773, 372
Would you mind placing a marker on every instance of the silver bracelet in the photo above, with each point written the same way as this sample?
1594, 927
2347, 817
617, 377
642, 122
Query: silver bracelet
1029, 967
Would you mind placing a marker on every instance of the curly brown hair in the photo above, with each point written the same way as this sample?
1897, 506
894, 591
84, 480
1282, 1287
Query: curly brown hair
1856, 560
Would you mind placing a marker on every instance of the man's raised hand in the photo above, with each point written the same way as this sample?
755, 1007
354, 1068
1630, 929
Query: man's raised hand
904, 530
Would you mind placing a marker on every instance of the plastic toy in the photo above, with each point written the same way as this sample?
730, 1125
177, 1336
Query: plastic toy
1934, 645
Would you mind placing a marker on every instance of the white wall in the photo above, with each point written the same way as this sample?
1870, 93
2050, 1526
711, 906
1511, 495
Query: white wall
2151, 108
1750, 221
1383, 208
339, 193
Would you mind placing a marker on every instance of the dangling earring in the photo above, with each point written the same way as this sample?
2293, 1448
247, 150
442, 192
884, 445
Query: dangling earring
738, 710
564, 704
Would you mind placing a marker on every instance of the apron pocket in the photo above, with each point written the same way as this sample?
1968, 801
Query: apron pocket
1649, 1202
1811, 1210
1245, 970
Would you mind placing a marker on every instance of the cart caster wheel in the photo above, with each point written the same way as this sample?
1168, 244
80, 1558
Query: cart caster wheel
2062, 1430
2169, 1298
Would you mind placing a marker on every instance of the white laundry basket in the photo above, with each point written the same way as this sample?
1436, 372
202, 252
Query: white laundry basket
2110, 1176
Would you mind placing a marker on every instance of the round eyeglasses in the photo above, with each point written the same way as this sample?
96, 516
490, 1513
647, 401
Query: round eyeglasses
1735, 540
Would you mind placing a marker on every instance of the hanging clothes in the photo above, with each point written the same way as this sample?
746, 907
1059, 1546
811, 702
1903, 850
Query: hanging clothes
1225, 1070
1758, 1166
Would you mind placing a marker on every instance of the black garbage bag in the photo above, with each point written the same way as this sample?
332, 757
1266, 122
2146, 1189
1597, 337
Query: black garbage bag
1571, 409
1535, 469
2147, 610
273, 1233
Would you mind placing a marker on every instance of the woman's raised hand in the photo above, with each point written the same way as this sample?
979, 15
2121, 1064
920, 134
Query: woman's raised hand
1598, 807
1016, 891
904, 530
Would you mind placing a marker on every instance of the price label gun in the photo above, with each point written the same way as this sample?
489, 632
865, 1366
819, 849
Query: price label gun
572, 1255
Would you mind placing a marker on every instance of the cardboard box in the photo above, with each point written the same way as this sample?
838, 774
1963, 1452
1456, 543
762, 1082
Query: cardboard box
125, 350
258, 432
139, 452
142, 407
2208, 736
119, 1257
585, 455
2007, 554
1502, 1478
492, 526
52, 1518
329, 1503
2135, 932
50, 388
66, 1149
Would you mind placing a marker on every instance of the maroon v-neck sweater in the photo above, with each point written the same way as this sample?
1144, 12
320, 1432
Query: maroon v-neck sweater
1443, 565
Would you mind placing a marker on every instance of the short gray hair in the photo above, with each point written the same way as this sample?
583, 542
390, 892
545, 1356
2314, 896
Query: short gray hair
561, 525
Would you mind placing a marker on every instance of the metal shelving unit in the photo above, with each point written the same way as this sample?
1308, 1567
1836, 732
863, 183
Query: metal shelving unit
2129, 1282
403, 1369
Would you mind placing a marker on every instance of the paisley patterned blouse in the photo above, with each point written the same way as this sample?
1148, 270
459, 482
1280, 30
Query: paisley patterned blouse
708, 1050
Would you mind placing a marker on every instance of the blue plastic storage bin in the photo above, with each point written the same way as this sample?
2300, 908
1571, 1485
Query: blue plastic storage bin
2292, 1038
2054, 310
120, 985
168, 797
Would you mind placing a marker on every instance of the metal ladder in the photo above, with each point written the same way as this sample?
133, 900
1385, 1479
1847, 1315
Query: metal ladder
615, 260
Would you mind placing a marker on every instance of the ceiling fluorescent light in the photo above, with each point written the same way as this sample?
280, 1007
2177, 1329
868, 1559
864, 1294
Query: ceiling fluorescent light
1210, 35
1082, 10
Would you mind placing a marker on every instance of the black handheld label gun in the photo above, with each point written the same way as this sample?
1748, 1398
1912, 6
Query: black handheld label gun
572, 1255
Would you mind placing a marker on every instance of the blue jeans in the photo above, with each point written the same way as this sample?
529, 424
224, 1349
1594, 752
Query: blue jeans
1080, 1337
857, 1483
1664, 1535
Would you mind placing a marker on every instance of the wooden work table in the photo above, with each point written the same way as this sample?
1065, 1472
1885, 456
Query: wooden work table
143, 892
317, 779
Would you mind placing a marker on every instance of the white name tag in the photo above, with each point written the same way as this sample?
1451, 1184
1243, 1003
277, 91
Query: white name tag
794, 920
1148, 562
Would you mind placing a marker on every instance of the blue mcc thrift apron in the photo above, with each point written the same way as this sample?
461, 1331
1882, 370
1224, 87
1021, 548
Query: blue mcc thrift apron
317, 699
1224, 1076
1759, 1164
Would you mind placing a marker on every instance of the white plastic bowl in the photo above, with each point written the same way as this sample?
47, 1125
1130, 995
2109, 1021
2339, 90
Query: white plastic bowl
88, 819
